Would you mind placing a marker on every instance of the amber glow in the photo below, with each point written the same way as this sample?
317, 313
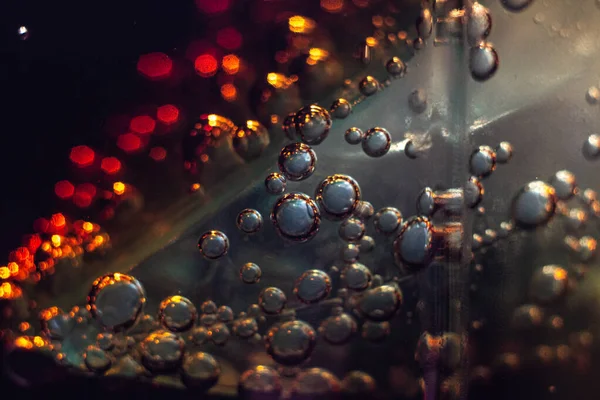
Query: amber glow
64, 189
9, 290
332, 6
142, 124
129, 142
204, 158
155, 66
279, 81
4, 272
299, 24
318, 54
88, 227
371, 41
23, 326
119, 188
402, 35
158, 153
82, 156
231, 64
560, 274
229, 92
23, 343
206, 65
110, 165
58, 221
195, 187
167, 114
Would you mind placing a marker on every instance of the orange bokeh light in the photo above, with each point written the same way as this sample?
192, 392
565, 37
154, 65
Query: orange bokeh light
158, 153
129, 142
142, 124
229, 38
58, 221
111, 165
231, 64
332, 6
119, 188
229, 92
167, 114
82, 156
155, 65
206, 65
64, 189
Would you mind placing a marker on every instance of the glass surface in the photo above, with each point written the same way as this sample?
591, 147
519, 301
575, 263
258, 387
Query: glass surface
305, 199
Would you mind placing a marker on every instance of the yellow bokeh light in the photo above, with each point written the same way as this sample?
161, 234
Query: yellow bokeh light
371, 41
4, 272
318, 54
119, 188
300, 24
56, 240
212, 120
279, 81
88, 227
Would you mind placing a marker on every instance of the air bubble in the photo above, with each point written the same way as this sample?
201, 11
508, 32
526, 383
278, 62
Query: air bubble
198, 335
534, 205
591, 147
96, 359
479, 24
413, 246
527, 316
473, 192
297, 161
245, 327
483, 61
356, 276
516, 5
162, 351
340, 108
350, 252
116, 301
564, 184
549, 284
296, 217
272, 300
352, 230
104, 340
504, 152
225, 314
219, 333
358, 385
376, 332
338, 329
377, 142
395, 67
250, 273
417, 101
312, 124
364, 210
387, 220
177, 313
593, 95
275, 183
58, 326
208, 307
290, 343
338, 195
288, 126
367, 244
354, 135
368, 86
250, 140
249, 221
482, 162
315, 384
260, 382
312, 286
380, 303
200, 371
213, 245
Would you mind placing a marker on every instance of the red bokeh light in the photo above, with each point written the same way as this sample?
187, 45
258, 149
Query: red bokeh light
84, 195
167, 114
32, 242
206, 65
129, 142
155, 65
58, 222
158, 153
142, 124
213, 6
82, 156
64, 189
41, 225
111, 165
229, 38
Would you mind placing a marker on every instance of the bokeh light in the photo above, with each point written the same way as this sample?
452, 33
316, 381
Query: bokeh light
206, 65
129, 142
229, 92
64, 189
231, 64
300, 24
158, 153
167, 114
155, 66
110, 165
332, 6
229, 38
142, 124
213, 6
82, 156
